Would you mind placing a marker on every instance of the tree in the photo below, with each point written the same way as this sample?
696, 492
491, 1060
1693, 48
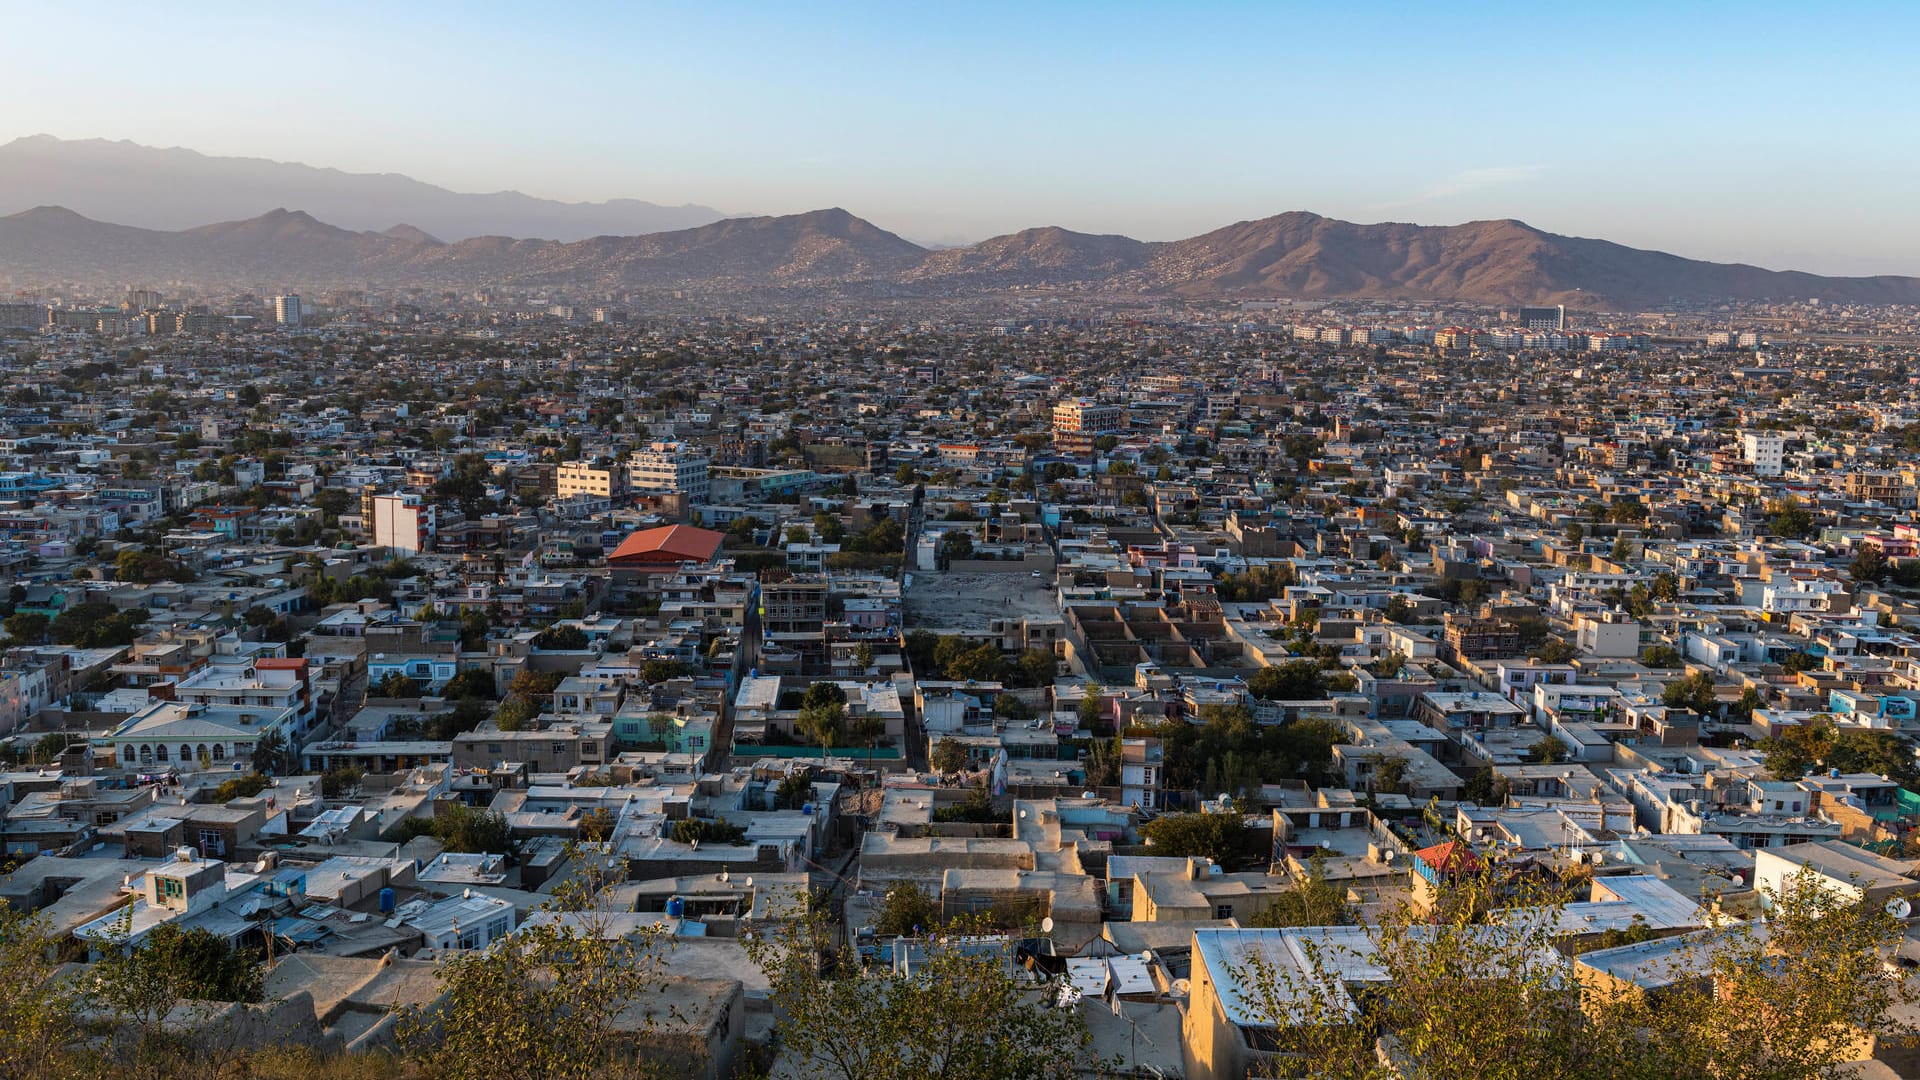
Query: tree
1661, 656
1295, 680
1313, 901
240, 787
561, 639
38, 1014
1694, 693
867, 729
824, 723
27, 627
1548, 750
164, 993
396, 685
1869, 566
948, 756
956, 545
1092, 710
271, 754
1485, 787
1796, 662
1220, 837
1389, 773
561, 997
906, 911
1790, 754
794, 791
475, 683
1787, 517
963, 1013
1554, 650
1789, 1003
706, 831
515, 713
1399, 609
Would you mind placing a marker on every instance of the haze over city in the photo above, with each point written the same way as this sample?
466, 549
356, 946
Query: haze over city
1766, 133
959, 542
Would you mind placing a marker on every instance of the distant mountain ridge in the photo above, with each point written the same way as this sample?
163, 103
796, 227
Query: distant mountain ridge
178, 188
1289, 255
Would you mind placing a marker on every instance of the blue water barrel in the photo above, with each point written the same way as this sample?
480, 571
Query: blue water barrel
676, 906
386, 901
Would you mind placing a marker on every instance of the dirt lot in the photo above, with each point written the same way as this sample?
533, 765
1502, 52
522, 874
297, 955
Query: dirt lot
965, 601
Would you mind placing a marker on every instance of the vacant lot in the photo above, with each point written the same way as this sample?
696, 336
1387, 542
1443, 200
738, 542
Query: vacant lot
938, 601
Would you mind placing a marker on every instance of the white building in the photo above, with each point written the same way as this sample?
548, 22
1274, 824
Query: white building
1610, 635
670, 467
1765, 451
402, 521
287, 309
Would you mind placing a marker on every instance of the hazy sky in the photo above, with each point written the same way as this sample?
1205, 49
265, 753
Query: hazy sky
1787, 135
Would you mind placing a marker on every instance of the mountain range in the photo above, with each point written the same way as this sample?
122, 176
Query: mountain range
1294, 254
178, 188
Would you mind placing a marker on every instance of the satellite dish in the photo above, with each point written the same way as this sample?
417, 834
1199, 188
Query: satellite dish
1899, 907
1181, 987
1046, 924
1387, 856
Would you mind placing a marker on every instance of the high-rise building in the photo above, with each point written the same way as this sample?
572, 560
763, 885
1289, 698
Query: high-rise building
139, 300
1765, 451
401, 521
287, 309
670, 467
1544, 318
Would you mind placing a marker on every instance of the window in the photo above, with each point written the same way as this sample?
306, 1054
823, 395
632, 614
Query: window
1223, 911
172, 887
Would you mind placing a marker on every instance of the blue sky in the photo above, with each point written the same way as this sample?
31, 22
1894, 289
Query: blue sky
1784, 135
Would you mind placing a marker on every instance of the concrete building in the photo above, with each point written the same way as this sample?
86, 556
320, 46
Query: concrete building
670, 467
402, 522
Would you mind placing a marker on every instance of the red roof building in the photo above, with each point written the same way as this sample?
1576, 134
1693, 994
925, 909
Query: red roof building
665, 548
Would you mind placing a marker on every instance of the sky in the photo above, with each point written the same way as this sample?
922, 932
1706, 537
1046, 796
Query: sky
1785, 135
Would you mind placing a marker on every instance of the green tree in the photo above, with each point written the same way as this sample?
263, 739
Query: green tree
1220, 837
563, 997
515, 713
1661, 656
1694, 693
948, 756
1869, 566
1092, 710
823, 723
1295, 680
561, 639
964, 1013
27, 627
906, 911
39, 1018
396, 685
271, 753
1312, 901
474, 683
1787, 517
164, 996
1548, 750
1788, 1004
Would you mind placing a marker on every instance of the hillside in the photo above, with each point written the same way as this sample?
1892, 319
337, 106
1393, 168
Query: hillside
1294, 255
178, 189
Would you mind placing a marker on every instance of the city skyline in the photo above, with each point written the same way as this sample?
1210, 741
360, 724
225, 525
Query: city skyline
1691, 132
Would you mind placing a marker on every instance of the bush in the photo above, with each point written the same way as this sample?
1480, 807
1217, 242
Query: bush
240, 787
